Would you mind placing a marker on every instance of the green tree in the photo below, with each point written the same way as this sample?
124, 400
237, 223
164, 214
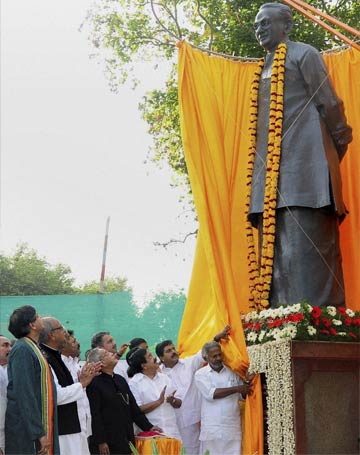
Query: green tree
128, 31
161, 318
26, 273
111, 284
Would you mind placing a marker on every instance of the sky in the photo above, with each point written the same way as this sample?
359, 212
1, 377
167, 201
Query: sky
73, 153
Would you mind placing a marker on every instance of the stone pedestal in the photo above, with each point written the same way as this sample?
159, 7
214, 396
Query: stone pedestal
326, 383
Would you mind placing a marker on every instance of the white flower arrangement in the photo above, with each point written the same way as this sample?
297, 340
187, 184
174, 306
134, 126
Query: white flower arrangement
302, 322
269, 334
274, 359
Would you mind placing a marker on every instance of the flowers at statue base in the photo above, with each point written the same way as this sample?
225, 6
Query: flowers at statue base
302, 322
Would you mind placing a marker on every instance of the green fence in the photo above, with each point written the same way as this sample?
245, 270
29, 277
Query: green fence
87, 314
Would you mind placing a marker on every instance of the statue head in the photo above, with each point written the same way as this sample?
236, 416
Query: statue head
272, 25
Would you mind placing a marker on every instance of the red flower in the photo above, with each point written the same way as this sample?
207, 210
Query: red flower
295, 317
342, 310
257, 326
270, 323
348, 321
316, 312
356, 321
353, 335
332, 331
326, 322
325, 332
316, 322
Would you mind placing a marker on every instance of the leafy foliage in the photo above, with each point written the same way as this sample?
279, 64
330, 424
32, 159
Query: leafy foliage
163, 316
111, 284
129, 31
26, 273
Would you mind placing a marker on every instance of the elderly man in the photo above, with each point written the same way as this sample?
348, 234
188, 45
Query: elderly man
221, 390
181, 372
70, 355
30, 422
315, 136
53, 339
5, 348
113, 409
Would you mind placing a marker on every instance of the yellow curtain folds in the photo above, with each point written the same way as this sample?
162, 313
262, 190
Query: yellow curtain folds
214, 99
212, 104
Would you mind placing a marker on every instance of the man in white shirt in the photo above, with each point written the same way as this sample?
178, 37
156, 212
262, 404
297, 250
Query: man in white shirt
105, 340
5, 348
52, 340
181, 373
220, 390
70, 355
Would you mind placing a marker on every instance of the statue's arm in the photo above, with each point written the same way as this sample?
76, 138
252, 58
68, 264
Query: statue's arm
329, 105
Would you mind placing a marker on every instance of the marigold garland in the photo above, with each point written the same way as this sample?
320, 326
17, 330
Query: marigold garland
260, 272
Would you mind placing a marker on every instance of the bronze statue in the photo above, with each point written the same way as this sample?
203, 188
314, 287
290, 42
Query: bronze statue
315, 136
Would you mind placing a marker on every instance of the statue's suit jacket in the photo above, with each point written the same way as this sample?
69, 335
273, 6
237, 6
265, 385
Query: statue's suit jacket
315, 134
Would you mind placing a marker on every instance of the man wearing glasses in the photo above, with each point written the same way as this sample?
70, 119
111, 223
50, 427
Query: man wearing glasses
113, 409
53, 339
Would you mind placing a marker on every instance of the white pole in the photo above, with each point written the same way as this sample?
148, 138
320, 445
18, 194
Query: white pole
102, 276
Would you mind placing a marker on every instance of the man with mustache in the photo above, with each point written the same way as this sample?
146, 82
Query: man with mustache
181, 373
221, 390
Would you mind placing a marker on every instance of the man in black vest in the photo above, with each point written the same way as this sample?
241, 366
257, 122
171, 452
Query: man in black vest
52, 341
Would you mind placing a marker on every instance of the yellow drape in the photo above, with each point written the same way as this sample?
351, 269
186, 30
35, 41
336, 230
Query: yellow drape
214, 98
165, 446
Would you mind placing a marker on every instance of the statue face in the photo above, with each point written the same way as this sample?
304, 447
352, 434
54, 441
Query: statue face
270, 28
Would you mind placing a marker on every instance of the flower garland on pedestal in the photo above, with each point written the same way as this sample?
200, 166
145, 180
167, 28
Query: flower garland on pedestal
274, 359
261, 275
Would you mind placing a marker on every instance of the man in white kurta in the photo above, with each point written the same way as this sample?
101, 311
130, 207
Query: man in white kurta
181, 372
53, 339
221, 390
182, 378
70, 356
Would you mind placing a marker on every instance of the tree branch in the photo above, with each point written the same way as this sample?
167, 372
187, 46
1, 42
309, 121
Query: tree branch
161, 24
208, 23
172, 241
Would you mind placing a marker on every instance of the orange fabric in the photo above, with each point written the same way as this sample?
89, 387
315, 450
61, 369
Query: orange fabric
214, 99
165, 446
344, 71
212, 104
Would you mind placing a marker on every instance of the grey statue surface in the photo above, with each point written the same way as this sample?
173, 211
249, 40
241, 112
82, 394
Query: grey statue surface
307, 259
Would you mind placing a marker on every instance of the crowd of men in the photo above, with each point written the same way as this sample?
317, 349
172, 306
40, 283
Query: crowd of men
51, 402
